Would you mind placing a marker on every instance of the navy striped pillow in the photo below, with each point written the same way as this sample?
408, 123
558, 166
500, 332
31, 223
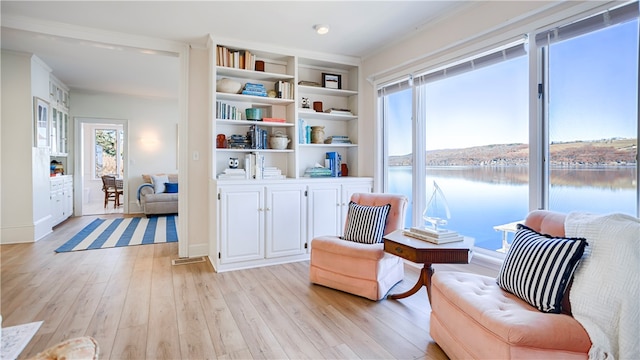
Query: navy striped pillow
537, 268
365, 224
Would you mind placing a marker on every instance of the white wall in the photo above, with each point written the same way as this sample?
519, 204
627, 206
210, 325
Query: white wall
25, 188
200, 142
152, 131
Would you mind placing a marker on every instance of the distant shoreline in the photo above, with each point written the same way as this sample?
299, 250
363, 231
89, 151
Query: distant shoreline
607, 153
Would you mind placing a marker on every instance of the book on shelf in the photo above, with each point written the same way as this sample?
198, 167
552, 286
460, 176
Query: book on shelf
336, 111
309, 83
332, 161
283, 89
317, 171
239, 59
337, 139
232, 174
275, 120
434, 240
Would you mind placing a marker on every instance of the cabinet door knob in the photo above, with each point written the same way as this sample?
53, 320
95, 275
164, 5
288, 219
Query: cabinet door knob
398, 249
267, 209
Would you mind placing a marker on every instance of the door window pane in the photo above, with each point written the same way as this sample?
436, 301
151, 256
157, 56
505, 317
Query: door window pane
106, 152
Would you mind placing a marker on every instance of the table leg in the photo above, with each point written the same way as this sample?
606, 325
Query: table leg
423, 279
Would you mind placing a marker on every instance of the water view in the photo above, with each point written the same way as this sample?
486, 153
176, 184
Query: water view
481, 197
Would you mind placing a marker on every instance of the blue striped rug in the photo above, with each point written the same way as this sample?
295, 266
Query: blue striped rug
103, 233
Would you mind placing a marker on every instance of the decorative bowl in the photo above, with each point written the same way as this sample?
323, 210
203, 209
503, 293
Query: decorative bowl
253, 114
279, 142
228, 86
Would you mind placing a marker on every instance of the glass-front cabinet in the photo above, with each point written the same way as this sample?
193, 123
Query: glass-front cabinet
59, 99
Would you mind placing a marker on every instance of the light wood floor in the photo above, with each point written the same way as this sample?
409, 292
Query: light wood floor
137, 305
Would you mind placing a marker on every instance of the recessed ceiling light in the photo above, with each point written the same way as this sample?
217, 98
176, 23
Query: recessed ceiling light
321, 29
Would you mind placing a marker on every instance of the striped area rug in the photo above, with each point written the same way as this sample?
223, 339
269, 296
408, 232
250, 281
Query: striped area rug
103, 233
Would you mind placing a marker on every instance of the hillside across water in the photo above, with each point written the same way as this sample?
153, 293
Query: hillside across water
606, 152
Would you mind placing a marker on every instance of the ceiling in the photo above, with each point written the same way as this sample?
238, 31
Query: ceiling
357, 29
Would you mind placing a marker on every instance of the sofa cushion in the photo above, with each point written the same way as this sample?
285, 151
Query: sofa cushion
538, 267
489, 323
162, 197
158, 182
365, 224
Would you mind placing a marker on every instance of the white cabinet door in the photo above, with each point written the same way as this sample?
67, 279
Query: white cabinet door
68, 197
57, 202
350, 189
286, 211
241, 223
324, 217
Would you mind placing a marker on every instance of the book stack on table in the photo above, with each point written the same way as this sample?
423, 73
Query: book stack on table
440, 236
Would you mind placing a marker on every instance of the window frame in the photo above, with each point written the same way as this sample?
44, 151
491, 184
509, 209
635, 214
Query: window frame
538, 115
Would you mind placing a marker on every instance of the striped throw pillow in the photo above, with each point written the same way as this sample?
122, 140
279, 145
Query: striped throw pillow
365, 224
538, 267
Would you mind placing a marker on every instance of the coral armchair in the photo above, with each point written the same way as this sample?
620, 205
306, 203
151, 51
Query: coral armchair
360, 268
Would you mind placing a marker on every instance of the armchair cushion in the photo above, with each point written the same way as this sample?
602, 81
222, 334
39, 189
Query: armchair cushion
365, 224
538, 268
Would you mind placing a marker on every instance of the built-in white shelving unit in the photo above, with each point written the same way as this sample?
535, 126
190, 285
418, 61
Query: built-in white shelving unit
267, 221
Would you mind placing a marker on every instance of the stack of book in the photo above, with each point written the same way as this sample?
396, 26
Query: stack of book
238, 142
440, 236
337, 139
254, 89
337, 111
233, 174
271, 173
317, 172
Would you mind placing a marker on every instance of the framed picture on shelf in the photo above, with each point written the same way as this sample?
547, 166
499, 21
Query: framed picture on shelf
41, 122
331, 81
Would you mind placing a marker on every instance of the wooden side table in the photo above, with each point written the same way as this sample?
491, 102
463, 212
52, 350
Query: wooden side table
424, 252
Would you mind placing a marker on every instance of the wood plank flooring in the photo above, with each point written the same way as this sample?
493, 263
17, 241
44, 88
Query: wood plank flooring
139, 306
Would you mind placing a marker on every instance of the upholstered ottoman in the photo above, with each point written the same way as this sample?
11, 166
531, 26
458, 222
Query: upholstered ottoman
473, 318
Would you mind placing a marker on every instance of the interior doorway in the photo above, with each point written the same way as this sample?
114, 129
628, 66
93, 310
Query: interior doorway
103, 144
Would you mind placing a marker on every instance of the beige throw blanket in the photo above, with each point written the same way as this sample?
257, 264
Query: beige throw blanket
605, 296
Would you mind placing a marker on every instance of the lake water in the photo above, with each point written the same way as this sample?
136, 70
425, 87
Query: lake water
480, 198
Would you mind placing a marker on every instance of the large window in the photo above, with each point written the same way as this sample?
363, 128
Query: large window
593, 118
474, 142
470, 134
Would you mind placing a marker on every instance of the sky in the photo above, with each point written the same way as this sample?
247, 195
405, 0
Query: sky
593, 95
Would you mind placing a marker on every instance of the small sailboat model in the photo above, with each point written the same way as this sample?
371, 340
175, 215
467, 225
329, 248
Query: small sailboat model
437, 213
